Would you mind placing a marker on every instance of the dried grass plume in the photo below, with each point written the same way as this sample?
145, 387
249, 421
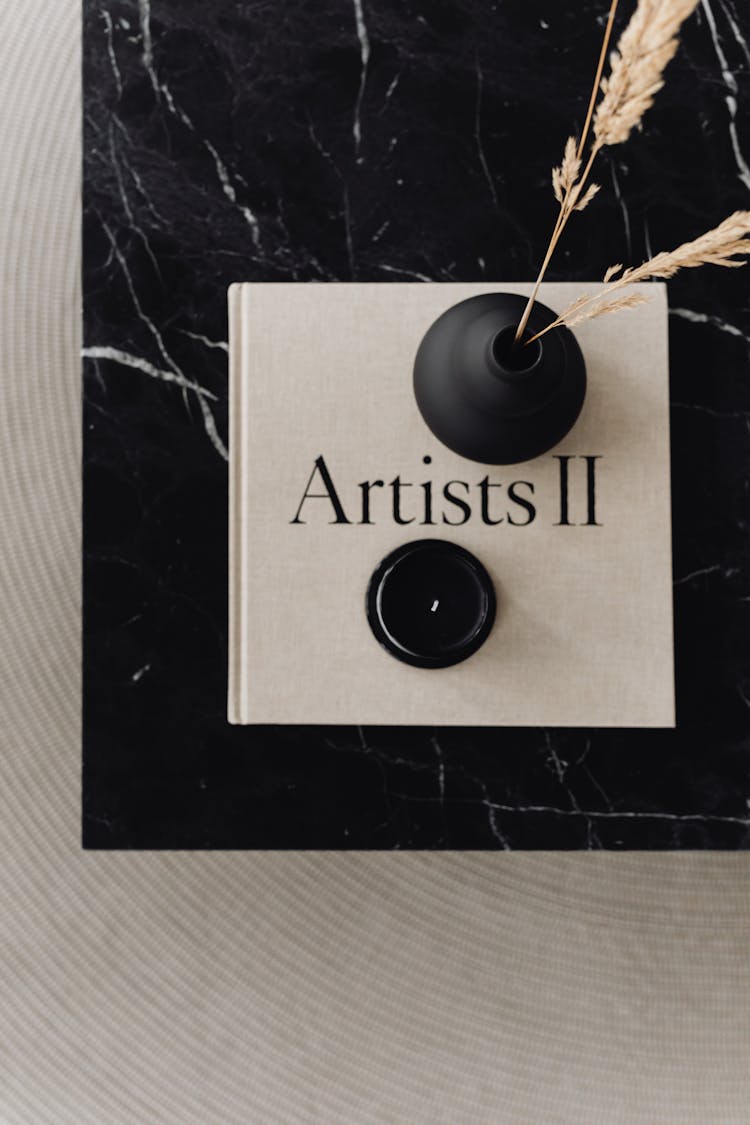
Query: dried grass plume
646, 47
721, 246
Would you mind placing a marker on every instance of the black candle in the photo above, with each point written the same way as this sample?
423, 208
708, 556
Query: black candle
431, 603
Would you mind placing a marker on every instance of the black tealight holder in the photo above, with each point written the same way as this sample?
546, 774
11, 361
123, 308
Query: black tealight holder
431, 603
489, 400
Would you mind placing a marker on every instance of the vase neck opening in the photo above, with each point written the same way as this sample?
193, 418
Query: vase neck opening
513, 358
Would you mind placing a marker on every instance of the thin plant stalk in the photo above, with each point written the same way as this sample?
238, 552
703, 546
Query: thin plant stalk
637, 66
564, 213
598, 78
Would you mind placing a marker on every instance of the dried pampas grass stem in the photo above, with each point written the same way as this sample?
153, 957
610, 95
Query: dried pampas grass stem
565, 177
645, 48
721, 246
598, 76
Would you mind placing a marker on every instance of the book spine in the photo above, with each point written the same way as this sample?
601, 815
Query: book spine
236, 678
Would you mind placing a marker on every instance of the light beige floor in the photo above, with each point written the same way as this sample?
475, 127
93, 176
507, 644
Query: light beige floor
298, 988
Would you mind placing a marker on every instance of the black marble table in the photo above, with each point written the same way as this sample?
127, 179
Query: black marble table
384, 140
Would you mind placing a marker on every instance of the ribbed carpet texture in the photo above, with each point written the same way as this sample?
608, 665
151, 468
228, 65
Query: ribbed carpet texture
204, 988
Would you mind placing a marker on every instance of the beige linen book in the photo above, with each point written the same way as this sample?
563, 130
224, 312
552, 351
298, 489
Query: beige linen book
321, 402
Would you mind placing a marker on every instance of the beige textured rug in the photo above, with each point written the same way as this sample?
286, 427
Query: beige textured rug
290, 988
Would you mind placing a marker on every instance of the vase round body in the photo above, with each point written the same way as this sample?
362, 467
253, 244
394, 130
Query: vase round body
488, 400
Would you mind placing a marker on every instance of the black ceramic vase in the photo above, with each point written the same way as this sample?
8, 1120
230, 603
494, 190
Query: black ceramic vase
490, 401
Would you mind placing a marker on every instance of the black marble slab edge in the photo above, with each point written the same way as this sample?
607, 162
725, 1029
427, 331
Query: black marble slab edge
384, 140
